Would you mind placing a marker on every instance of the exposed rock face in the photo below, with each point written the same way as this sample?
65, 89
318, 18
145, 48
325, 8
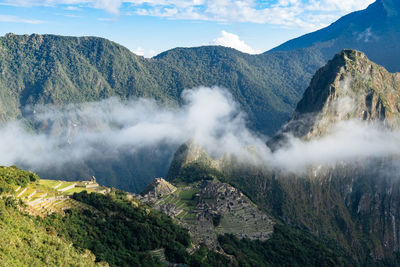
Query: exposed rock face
350, 86
358, 203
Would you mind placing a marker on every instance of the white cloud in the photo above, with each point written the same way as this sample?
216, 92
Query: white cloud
209, 116
310, 14
232, 40
79, 132
346, 6
72, 8
143, 52
15, 19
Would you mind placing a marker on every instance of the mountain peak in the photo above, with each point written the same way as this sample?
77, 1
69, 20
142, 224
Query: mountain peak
350, 86
332, 79
372, 30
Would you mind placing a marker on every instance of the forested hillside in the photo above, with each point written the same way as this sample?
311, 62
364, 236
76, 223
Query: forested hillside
39, 69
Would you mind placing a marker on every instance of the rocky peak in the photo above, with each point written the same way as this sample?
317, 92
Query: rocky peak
350, 86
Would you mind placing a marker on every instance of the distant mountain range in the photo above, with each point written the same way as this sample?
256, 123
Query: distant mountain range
374, 31
37, 69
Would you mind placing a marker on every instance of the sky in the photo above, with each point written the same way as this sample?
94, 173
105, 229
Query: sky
149, 27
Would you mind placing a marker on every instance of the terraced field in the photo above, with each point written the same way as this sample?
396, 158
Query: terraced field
48, 196
46, 206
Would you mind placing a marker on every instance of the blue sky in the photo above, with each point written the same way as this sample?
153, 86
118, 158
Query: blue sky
152, 26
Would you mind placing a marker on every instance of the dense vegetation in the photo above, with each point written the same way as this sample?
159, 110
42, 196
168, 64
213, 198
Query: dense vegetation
113, 229
118, 230
25, 242
39, 69
120, 233
287, 247
54, 69
12, 176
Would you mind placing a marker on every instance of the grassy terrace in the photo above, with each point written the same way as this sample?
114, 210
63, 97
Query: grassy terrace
49, 183
46, 196
64, 184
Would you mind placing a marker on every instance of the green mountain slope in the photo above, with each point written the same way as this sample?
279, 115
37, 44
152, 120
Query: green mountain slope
353, 203
39, 69
24, 240
113, 228
105, 229
349, 87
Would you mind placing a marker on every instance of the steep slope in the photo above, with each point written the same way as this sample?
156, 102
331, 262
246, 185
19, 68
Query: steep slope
356, 203
373, 31
204, 181
25, 241
353, 203
40, 69
350, 86
267, 86
55, 69
103, 229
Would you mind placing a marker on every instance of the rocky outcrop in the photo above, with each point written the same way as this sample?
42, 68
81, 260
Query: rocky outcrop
356, 203
350, 86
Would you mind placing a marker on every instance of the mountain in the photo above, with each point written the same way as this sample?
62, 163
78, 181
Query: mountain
350, 86
47, 69
42, 69
373, 31
351, 204
53, 222
38, 69
79, 223
56, 69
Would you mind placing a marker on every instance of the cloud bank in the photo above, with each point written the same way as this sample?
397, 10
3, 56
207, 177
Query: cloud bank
78, 132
